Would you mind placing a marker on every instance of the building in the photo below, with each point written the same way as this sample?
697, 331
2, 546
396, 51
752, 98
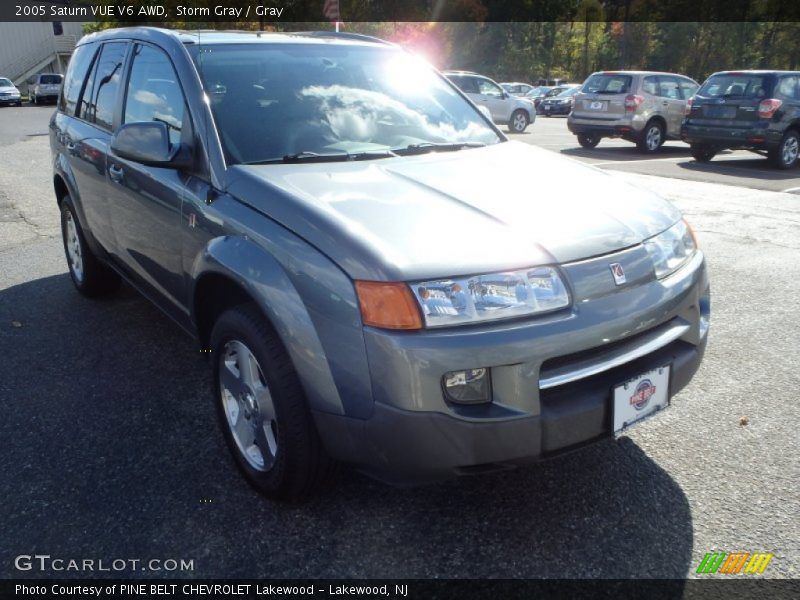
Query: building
27, 49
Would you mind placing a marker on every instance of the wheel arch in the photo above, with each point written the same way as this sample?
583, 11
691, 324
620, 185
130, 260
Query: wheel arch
233, 270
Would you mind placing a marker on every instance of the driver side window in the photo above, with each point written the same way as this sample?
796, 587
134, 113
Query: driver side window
487, 88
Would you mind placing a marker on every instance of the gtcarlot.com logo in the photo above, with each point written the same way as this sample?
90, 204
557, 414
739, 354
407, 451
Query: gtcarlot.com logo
45, 562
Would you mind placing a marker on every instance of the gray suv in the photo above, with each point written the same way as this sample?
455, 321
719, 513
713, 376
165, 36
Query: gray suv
343, 234
643, 107
505, 108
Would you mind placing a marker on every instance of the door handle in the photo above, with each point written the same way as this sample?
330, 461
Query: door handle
665, 103
116, 173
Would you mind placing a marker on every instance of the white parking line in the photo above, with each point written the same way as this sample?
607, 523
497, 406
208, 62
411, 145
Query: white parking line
643, 160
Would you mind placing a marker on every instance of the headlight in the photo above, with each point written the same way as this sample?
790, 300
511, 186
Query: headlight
670, 249
491, 297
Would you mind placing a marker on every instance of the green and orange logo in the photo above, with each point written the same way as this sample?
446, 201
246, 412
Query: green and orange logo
734, 563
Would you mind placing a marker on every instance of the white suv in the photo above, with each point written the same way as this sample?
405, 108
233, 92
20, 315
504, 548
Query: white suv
45, 87
515, 112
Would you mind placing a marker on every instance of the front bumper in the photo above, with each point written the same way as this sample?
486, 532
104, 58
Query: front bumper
538, 410
554, 109
10, 100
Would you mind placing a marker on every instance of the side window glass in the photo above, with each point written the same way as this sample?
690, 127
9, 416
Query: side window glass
669, 88
688, 88
154, 93
487, 88
787, 88
76, 73
105, 85
650, 86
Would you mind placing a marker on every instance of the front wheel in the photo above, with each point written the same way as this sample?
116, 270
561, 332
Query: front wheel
262, 408
785, 156
588, 140
702, 153
518, 122
652, 137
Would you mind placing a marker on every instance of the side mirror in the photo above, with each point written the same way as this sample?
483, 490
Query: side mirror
148, 143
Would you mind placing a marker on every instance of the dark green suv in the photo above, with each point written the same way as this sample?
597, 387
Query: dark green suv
750, 110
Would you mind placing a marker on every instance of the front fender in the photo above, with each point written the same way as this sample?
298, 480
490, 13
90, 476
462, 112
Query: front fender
311, 305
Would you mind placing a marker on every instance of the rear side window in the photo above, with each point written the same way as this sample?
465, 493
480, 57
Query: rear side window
788, 88
734, 86
465, 84
100, 95
669, 88
488, 88
154, 93
50, 79
76, 72
687, 87
607, 83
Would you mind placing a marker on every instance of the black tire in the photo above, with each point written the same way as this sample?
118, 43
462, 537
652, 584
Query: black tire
702, 152
94, 278
588, 140
786, 155
515, 122
652, 137
300, 466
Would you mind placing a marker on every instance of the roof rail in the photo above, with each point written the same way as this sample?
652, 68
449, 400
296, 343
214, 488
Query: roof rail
343, 35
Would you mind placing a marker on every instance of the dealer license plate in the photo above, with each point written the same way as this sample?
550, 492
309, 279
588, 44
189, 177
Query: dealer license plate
594, 105
640, 397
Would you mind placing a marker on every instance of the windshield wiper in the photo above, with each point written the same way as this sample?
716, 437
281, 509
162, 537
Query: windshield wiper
307, 156
424, 147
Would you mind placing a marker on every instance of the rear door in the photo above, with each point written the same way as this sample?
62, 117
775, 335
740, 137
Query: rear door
145, 202
88, 137
672, 103
602, 97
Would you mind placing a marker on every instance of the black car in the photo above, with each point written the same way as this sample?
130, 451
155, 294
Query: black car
750, 110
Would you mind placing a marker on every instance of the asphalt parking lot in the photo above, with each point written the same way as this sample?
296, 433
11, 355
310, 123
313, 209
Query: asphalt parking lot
111, 449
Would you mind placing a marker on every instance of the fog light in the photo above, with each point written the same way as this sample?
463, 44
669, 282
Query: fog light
471, 386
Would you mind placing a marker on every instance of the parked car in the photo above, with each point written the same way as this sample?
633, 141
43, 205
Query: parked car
516, 88
536, 94
355, 258
9, 94
506, 109
552, 92
45, 88
643, 107
750, 110
560, 104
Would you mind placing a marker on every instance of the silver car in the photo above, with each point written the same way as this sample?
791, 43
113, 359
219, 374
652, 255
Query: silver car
506, 109
45, 88
9, 94
357, 251
643, 107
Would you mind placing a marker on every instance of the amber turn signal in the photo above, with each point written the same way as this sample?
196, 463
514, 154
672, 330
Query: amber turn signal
388, 305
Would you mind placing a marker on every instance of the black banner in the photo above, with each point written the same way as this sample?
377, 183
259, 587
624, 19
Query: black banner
296, 11
414, 589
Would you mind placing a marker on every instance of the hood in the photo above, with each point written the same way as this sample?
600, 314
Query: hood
505, 206
8, 88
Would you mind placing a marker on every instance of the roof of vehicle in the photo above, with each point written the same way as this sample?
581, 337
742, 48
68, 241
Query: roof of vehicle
458, 72
640, 73
516, 83
755, 72
213, 36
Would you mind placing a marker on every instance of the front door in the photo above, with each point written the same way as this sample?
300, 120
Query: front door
145, 202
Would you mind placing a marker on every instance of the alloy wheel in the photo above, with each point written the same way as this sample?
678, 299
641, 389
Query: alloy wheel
248, 405
74, 248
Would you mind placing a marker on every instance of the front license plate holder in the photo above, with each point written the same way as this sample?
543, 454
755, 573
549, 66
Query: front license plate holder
640, 397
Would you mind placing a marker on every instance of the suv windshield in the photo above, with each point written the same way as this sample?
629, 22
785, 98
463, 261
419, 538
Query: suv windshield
732, 85
50, 79
5, 82
287, 101
607, 83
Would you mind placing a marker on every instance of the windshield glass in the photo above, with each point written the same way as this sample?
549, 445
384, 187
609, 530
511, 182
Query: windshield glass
568, 92
740, 86
5, 82
272, 101
607, 83
50, 79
